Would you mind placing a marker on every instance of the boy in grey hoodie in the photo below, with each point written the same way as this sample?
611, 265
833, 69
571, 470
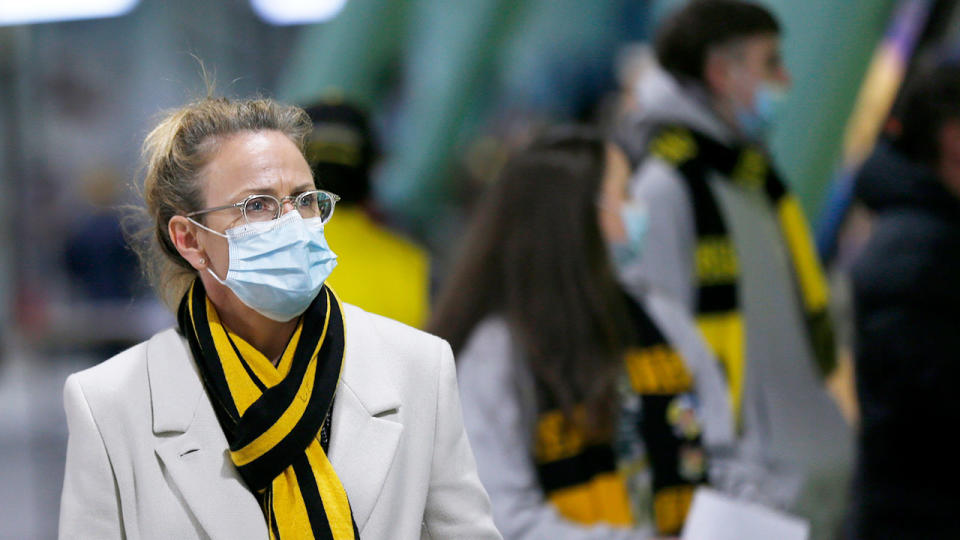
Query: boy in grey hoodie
722, 75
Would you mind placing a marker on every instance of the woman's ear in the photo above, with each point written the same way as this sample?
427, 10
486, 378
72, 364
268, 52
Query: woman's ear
183, 234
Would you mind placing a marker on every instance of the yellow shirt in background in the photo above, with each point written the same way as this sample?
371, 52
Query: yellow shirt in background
377, 269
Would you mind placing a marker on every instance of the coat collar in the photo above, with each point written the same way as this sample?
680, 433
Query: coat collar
175, 387
192, 447
366, 430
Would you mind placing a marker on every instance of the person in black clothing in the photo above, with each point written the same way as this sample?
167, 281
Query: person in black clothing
907, 298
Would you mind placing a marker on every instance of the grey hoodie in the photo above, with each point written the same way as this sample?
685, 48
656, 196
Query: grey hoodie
792, 432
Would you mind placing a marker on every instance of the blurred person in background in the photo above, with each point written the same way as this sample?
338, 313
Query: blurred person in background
729, 241
593, 415
97, 255
379, 270
907, 325
102, 268
273, 410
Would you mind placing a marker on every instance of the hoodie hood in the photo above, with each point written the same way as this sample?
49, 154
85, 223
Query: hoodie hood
888, 180
661, 100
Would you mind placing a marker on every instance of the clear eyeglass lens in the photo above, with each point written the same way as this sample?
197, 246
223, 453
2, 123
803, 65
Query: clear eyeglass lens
325, 206
315, 204
261, 208
307, 204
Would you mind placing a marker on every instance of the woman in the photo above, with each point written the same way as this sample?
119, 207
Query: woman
589, 412
272, 410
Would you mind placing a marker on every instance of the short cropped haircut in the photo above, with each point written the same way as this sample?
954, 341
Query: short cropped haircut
685, 39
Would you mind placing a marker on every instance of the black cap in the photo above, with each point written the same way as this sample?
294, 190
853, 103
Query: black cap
341, 150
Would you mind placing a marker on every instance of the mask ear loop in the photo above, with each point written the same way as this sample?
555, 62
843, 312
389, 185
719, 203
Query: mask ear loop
216, 277
221, 235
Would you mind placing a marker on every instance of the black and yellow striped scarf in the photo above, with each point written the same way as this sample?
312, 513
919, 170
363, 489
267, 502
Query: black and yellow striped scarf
277, 418
717, 269
579, 473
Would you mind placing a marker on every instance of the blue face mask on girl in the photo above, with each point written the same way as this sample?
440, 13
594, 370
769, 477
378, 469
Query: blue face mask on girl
628, 252
277, 267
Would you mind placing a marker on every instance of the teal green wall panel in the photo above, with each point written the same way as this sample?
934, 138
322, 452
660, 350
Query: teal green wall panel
827, 45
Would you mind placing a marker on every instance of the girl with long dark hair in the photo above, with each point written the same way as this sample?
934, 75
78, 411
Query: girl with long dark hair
590, 412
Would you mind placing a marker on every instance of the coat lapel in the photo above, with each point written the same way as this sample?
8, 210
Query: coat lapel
192, 446
366, 425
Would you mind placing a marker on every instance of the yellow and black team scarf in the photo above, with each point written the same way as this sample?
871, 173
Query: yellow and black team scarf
717, 270
579, 473
277, 418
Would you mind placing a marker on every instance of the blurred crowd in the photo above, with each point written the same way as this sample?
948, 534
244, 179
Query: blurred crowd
630, 284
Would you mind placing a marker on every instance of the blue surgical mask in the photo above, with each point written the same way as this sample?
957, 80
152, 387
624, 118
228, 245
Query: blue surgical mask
755, 121
635, 222
277, 267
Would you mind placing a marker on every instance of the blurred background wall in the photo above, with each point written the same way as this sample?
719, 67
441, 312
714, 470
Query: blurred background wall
450, 86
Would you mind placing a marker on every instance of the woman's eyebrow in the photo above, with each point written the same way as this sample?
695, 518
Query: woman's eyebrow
269, 191
303, 187
253, 191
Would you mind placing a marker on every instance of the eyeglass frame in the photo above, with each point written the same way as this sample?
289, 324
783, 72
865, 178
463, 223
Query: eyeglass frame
242, 204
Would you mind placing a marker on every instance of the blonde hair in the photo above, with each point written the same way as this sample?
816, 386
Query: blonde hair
174, 154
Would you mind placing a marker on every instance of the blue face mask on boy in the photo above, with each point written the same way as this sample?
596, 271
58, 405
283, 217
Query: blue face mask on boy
277, 267
755, 121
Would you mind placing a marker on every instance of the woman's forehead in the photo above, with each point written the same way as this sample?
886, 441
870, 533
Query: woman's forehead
255, 162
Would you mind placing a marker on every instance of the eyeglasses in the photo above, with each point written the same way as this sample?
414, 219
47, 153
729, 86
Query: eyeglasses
259, 208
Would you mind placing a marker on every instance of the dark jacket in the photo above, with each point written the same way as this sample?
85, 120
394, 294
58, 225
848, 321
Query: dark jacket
907, 299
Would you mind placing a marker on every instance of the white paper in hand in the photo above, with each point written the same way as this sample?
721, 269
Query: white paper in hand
715, 516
